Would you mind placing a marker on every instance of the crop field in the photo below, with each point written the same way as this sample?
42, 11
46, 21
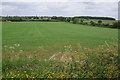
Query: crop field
32, 34
58, 50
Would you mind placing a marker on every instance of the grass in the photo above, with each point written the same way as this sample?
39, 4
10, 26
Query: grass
101, 62
59, 50
32, 34
103, 21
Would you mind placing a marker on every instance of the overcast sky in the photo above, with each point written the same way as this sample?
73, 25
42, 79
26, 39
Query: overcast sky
108, 9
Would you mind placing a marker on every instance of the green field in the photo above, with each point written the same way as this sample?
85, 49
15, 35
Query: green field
53, 34
58, 50
103, 21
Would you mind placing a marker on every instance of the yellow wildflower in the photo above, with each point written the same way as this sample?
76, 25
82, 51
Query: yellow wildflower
26, 76
62, 75
24, 71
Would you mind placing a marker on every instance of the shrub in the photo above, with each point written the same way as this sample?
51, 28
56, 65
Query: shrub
86, 23
100, 22
75, 21
106, 25
116, 24
68, 19
81, 21
92, 23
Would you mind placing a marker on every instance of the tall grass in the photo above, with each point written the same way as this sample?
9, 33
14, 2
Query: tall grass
82, 62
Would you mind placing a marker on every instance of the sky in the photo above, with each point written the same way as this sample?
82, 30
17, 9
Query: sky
60, 8
60, 0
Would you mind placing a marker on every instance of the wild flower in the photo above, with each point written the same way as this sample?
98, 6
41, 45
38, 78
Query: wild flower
89, 63
11, 47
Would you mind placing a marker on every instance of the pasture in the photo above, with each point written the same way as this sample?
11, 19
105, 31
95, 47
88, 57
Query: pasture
53, 34
58, 50
103, 21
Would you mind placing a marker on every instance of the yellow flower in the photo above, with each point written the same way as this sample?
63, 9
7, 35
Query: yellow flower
62, 75
24, 71
18, 74
12, 77
49, 76
10, 72
26, 76
7, 75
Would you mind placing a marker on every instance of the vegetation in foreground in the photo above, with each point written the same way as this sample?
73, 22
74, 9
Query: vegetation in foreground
100, 62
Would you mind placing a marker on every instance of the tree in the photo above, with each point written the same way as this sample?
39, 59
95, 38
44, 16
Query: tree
116, 24
100, 22
81, 20
68, 19
75, 21
92, 23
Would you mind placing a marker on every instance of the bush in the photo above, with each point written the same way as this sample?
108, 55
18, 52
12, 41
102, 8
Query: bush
81, 21
85, 23
106, 25
100, 22
75, 21
68, 19
92, 23
116, 24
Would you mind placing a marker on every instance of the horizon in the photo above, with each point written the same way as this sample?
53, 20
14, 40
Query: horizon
51, 16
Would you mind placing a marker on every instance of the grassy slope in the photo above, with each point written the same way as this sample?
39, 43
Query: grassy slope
30, 34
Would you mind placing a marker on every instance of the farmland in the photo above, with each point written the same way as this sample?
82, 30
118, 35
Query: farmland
52, 49
55, 33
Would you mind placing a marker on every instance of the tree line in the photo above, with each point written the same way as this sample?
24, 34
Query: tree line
54, 18
74, 20
90, 17
98, 23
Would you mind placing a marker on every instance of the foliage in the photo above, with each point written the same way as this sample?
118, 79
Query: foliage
95, 21
68, 19
75, 21
100, 22
107, 25
92, 23
101, 62
81, 20
116, 24
90, 17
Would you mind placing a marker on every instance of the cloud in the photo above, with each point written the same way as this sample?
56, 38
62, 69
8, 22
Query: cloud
61, 8
60, 1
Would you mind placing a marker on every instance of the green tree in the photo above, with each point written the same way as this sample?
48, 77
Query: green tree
68, 19
116, 24
92, 23
75, 21
81, 20
100, 22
